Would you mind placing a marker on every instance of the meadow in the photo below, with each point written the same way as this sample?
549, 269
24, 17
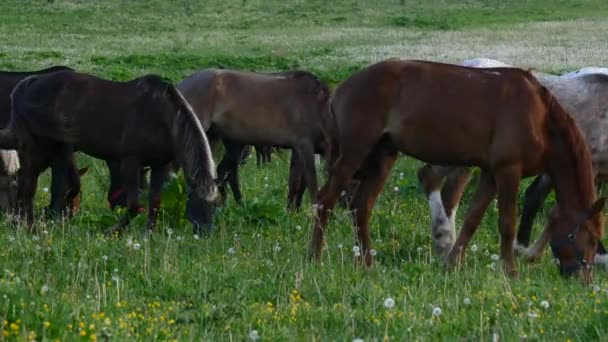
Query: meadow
250, 279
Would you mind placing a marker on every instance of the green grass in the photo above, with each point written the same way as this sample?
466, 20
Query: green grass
70, 283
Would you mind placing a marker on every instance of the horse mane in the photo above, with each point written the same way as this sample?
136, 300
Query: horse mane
579, 152
194, 151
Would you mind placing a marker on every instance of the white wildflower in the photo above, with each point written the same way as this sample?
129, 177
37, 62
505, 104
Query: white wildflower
544, 304
396, 188
254, 335
533, 314
389, 303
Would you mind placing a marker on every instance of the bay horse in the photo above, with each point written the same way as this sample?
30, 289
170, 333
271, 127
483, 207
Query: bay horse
8, 81
499, 119
583, 94
286, 109
142, 122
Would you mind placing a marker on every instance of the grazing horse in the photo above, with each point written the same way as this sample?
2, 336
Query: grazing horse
584, 97
287, 109
8, 81
499, 119
143, 122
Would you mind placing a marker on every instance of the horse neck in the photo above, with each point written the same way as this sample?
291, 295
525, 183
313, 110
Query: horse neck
569, 162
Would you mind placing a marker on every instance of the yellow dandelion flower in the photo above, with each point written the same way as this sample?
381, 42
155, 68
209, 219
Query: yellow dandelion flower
171, 321
46, 324
93, 337
5, 333
14, 326
83, 332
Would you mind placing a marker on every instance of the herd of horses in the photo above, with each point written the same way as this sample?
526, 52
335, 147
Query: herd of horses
508, 122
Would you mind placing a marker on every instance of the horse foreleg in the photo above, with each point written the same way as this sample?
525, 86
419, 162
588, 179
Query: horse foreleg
116, 192
374, 172
60, 176
158, 177
129, 170
507, 184
233, 154
74, 189
295, 183
484, 193
534, 198
306, 160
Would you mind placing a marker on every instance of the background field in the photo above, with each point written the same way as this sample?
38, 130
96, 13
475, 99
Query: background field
70, 283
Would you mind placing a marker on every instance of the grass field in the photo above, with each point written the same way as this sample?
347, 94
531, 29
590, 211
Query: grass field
250, 279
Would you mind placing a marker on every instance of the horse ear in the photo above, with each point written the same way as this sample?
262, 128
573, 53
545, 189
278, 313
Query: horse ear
83, 171
597, 207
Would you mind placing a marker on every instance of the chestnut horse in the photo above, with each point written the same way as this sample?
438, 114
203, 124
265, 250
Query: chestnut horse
8, 81
143, 122
499, 119
286, 109
583, 95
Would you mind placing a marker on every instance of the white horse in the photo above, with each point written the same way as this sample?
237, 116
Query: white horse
584, 94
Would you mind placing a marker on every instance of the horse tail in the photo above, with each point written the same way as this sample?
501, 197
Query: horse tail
192, 148
331, 132
562, 125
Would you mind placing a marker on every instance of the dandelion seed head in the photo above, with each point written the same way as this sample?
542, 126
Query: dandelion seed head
136, 246
104, 258
467, 301
494, 257
373, 252
474, 248
231, 250
437, 311
389, 303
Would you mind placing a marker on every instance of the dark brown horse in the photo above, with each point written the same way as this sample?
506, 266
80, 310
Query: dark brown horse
8, 81
499, 119
287, 109
143, 122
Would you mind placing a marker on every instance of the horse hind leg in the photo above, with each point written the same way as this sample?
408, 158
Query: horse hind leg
339, 179
374, 172
484, 193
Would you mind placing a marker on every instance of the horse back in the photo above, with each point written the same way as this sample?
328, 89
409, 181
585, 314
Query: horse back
473, 111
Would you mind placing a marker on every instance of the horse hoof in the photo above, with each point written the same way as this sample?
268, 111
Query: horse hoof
513, 273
